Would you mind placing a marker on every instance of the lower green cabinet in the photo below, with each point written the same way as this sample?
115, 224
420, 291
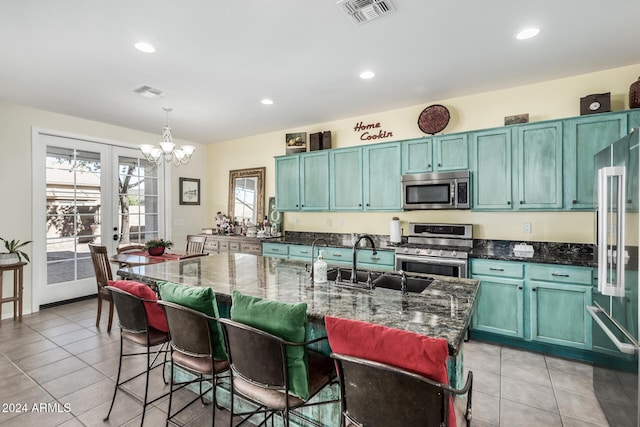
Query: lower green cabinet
500, 307
382, 260
534, 302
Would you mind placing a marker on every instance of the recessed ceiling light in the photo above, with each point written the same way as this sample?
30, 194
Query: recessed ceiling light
367, 75
267, 101
528, 33
145, 47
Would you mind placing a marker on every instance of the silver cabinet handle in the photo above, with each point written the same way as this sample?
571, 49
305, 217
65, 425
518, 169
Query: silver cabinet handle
304, 252
559, 275
337, 254
623, 347
496, 269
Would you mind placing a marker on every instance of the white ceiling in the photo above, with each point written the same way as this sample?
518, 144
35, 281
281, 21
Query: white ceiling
218, 59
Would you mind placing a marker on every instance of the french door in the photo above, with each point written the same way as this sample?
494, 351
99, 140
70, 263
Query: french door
90, 192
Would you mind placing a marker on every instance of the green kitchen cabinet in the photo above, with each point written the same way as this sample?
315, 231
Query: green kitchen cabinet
417, 155
302, 182
314, 181
558, 296
451, 152
491, 181
633, 121
275, 250
583, 138
499, 308
345, 183
382, 177
435, 154
288, 183
301, 253
538, 150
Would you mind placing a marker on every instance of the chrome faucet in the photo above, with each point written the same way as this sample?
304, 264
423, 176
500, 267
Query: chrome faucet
313, 246
354, 278
403, 282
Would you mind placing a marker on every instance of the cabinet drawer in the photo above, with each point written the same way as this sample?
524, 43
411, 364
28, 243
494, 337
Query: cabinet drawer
276, 249
251, 248
338, 254
561, 274
382, 258
303, 252
211, 245
497, 268
234, 246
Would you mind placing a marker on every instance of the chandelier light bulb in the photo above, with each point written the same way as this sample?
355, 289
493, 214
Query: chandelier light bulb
166, 148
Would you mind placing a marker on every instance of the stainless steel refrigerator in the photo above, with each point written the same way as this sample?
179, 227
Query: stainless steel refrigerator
615, 301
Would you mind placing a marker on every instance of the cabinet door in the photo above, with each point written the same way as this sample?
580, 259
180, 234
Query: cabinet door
539, 154
382, 177
287, 183
416, 156
314, 181
584, 137
633, 121
499, 308
345, 179
451, 152
492, 169
558, 314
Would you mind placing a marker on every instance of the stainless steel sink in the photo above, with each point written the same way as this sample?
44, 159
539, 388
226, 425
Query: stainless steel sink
394, 281
380, 280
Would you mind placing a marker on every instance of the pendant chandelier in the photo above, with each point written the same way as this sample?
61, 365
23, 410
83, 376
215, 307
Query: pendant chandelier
167, 149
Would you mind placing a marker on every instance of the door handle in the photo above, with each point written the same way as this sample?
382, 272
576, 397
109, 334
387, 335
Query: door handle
623, 347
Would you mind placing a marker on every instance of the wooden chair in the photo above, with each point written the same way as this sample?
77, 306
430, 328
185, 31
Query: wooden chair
192, 350
136, 331
102, 268
195, 244
131, 248
260, 374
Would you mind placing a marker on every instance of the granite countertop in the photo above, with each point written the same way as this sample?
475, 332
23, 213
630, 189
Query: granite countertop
544, 252
442, 310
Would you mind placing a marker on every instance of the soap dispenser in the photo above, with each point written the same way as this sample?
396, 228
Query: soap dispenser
320, 270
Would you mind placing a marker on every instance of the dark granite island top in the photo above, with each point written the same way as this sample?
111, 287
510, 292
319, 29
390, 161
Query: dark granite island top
442, 310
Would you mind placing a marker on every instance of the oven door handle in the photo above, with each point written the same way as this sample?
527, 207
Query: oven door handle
623, 347
432, 260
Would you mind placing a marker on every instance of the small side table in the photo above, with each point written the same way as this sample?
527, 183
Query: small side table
17, 289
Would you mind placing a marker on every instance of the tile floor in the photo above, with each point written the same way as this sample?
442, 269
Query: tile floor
59, 356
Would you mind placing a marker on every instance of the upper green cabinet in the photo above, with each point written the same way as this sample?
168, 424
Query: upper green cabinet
583, 138
314, 181
382, 177
451, 152
288, 183
491, 181
539, 160
434, 154
518, 168
302, 182
345, 185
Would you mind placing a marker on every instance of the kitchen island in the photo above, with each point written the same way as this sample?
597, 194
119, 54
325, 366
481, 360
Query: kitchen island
442, 310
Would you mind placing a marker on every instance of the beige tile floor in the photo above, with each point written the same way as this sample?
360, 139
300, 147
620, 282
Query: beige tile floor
59, 356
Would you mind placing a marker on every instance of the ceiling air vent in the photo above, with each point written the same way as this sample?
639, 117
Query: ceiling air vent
151, 92
361, 11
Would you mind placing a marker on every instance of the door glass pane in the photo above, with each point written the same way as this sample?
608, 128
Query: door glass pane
138, 219
73, 212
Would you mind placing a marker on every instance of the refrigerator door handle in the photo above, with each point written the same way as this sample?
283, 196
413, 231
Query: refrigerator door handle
615, 288
623, 347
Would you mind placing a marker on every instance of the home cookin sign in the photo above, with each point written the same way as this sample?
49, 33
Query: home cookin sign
371, 131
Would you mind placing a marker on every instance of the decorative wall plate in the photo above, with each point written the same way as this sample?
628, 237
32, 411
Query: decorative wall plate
433, 119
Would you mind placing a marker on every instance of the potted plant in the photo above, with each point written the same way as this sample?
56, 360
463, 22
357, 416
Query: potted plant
14, 254
156, 247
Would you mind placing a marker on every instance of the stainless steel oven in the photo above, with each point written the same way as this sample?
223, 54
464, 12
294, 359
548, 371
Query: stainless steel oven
441, 249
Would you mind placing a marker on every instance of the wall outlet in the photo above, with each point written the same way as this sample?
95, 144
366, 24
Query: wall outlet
329, 222
340, 222
297, 220
527, 227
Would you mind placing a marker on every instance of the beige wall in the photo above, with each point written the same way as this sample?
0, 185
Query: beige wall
543, 101
16, 123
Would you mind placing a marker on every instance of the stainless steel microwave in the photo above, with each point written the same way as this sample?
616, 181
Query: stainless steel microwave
436, 190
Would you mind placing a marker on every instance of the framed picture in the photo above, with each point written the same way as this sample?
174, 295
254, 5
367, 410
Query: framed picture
190, 268
296, 142
189, 191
